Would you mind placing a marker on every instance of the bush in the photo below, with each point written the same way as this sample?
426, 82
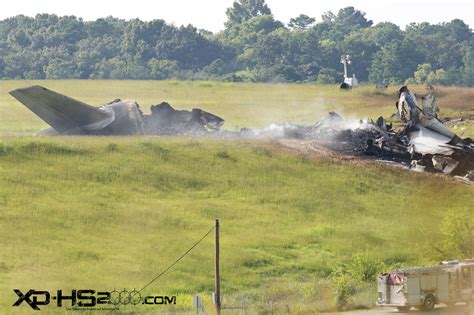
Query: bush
425, 75
457, 242
364, 267
348, 278
344, 287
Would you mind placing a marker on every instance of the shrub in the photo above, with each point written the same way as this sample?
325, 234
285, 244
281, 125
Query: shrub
344, 287
364, 267
457, 241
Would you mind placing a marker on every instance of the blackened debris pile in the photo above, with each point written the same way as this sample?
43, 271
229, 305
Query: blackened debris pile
417, 147
165, 120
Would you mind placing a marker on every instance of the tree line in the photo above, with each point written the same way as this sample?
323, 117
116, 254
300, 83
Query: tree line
254, 46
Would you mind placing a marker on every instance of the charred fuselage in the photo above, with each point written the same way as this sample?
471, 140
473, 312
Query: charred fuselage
68, 116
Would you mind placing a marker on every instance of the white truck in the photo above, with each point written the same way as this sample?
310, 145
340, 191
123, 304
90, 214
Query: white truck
424, 287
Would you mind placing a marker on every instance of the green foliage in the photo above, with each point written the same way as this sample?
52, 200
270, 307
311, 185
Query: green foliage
350, 277
162, 69
345, 286
347, 20
468, 70
327, 76
364, 267
253, 43
457, 231
61, 69
361, 48
425, 75
244, 10
349, 17
384, 33
393, 62
437, 77
301, 22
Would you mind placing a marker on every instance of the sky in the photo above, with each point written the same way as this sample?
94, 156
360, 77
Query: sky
210, 14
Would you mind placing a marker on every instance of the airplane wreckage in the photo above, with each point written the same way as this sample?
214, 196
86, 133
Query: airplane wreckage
68, 116
424, 143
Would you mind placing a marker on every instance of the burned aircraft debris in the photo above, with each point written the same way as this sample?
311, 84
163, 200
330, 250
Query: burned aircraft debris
424, 143
68, 116
427, 146
165, 120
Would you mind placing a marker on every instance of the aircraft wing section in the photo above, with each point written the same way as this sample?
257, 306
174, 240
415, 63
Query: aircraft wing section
59, 111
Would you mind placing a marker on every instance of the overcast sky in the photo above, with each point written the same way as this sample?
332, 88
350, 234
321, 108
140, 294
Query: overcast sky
210, 14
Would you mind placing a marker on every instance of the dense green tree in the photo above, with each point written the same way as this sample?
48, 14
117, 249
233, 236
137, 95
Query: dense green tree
254, 46
61, 69
384, 33
244, 10
330, 54
328, 76
441, 44
467, 77
349, 17
301, 22
394, 63
105, 27
346, 21
361, 49
162, 69
458, 30
187, 47
246, 34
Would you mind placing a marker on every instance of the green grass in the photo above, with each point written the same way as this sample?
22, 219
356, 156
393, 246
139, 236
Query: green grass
109, 212
112, 212
240, 104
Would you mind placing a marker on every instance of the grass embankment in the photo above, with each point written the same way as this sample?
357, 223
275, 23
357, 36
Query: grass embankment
240, 104
104, 213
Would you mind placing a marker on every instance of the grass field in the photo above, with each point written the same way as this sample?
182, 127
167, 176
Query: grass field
240, 104
112, 212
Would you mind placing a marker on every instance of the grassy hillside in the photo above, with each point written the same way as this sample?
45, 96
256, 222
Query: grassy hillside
112, 212
109, 212
240, 104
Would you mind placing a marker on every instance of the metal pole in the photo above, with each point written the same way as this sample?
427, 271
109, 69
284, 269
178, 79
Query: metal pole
471, 251
345, 69
218, 277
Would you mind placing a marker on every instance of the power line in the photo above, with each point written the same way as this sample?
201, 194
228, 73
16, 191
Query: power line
177, 260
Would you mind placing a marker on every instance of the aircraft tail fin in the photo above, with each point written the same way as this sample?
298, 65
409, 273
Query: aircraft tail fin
59, 111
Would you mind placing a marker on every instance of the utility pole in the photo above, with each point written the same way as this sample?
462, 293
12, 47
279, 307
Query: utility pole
471, 250
218, 277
